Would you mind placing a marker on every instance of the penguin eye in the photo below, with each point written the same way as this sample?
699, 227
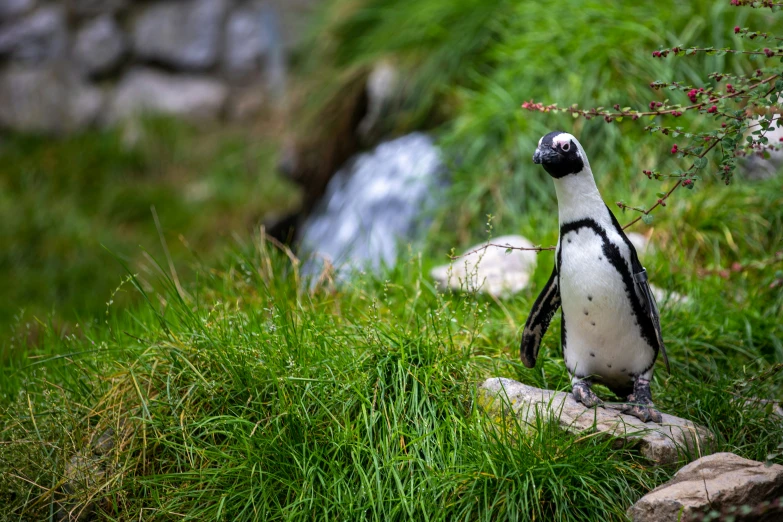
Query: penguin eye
566, 146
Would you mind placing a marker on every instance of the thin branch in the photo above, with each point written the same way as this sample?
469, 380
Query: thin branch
675, 187
507, 247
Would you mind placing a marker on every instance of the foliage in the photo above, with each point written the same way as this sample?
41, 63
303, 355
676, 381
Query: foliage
68, 206
588, 53
743, 109
249, 397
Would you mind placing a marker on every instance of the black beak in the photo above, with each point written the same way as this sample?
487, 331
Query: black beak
544, 156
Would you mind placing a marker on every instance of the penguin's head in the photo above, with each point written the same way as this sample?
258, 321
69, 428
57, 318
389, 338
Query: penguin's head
560, 154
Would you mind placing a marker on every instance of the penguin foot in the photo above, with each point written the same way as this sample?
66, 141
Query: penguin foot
582, 393
640, 402
644, 413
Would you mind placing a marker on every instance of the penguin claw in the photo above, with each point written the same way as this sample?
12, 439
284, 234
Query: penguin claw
644, 413
582, 393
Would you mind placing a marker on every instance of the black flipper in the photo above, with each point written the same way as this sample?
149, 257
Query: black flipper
544, 308
644, 292
650, 307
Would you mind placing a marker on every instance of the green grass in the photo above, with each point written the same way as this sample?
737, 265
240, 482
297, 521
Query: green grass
254, 398
69, 206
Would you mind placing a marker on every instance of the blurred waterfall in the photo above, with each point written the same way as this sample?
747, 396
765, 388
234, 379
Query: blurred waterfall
375, 202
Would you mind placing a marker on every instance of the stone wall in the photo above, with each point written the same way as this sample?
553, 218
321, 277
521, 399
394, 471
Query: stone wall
71, 64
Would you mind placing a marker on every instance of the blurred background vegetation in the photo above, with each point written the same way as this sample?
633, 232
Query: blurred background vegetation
70, 205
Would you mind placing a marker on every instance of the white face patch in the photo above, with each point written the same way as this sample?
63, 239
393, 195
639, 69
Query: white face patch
540, 140
562, 139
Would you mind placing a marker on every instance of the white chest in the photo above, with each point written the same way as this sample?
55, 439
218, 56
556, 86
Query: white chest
602, 335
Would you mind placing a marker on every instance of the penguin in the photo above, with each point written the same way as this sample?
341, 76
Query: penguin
611, 333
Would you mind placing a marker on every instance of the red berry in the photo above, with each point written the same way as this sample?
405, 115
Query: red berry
736, 29
729, 88
769, 52
674, 149
712, 109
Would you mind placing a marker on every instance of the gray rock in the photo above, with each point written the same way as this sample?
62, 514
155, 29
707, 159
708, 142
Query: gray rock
665, 443
99, 46
95, 7
489, 269
713, 482
248, 41
46, 99
13, 8
184, 34
84, 472
196, 98
39, 37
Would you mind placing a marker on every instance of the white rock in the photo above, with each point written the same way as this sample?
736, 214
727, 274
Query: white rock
664, 443
639, 241
669, 297
713, 482
141, 91
99, 45
46, 99
184, 34
490, 270
39, 37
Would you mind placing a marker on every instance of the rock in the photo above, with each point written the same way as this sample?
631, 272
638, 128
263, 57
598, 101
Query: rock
183, 34
248, 41
758, 168
489, 269
84, 472
98, 46
47, 100
39, 37
713, 482
639, 241
669, 297
14, 8
376, 201
196, 98
87, 8
664, 443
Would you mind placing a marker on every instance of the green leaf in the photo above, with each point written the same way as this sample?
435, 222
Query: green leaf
660, 194
700, 163
647, 219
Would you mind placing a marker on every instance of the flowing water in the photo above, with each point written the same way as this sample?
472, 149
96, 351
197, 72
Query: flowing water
374, 204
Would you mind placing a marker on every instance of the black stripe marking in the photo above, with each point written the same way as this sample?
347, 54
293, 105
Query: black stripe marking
614, 256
